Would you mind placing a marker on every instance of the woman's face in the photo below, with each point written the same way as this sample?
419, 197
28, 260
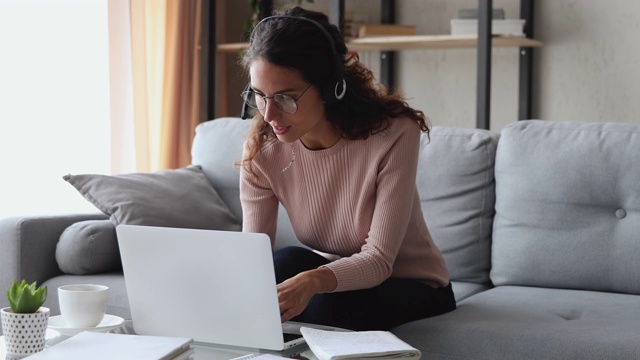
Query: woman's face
308, 123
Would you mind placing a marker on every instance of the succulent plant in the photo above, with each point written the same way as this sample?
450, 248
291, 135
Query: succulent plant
26, 298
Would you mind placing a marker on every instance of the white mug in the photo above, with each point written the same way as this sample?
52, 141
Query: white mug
83, 305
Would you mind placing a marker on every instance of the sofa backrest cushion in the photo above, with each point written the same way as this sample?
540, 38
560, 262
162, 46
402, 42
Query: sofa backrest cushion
217, 148
568, 206
457, 190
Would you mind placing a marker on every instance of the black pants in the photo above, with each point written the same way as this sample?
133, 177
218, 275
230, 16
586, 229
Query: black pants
394, 302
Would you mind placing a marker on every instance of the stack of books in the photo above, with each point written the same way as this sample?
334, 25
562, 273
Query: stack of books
467, 23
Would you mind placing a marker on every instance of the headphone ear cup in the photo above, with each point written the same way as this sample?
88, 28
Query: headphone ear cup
334, 89
244, 113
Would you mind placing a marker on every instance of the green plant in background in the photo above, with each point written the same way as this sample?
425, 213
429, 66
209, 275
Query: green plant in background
26, 298
254, 5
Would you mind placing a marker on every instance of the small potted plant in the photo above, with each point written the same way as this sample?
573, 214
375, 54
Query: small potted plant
24, 323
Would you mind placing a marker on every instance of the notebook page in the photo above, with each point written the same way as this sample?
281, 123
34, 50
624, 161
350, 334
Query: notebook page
335, 345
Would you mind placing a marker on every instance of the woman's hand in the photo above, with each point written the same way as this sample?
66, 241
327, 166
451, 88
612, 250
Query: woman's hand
295, 293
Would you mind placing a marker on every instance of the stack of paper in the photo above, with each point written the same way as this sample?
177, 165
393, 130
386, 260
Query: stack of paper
336, 345
104, 346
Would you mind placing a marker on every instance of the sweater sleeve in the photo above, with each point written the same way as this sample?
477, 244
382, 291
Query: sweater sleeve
259, 203
395, 191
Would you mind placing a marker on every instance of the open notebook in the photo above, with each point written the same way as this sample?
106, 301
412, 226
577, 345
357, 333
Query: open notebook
212, 286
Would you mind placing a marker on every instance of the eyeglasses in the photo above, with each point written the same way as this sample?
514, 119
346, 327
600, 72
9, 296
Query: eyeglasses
283, 102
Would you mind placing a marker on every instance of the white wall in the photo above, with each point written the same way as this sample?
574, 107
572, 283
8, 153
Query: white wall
54, 103
442, 82
589, 66
587, 69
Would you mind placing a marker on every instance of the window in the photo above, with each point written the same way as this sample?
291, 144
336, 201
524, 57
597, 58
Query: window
54, 103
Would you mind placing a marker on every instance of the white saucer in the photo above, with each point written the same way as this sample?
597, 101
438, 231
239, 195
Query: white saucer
109, 322
51, 337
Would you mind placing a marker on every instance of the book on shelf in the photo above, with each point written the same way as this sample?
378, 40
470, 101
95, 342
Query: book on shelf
514, 27
385, 30
467, 23
337, 345
103, 346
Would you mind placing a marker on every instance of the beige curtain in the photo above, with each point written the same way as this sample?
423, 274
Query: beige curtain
181, 100
166, 38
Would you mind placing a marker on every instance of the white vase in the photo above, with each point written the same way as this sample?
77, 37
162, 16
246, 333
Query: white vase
24, 334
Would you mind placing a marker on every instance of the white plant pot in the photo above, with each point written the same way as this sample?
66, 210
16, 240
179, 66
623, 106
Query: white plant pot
24, 334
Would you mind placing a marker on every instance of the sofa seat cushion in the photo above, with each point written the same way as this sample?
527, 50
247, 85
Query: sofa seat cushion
512, 322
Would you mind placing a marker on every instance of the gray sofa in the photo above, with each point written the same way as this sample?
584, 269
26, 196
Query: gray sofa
539, 225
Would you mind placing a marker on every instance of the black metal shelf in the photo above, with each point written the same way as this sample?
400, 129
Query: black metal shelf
484, 46
484, 43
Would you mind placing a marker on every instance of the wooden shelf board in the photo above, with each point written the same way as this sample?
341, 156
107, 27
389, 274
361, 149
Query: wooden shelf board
389, 43
232, 47
413, 42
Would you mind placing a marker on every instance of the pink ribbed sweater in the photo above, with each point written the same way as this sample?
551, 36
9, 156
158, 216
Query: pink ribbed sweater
357, 199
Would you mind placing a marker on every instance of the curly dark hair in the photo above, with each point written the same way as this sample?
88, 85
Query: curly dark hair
366, 108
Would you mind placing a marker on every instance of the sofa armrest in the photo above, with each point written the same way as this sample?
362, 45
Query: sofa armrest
28, 247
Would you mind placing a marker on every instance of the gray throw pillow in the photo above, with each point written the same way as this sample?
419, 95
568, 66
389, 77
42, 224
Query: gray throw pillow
171, 198
88, 247
181, 198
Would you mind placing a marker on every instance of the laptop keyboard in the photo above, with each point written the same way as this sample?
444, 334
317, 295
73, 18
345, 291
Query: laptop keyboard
290, 337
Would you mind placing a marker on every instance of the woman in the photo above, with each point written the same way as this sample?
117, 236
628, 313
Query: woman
341, 155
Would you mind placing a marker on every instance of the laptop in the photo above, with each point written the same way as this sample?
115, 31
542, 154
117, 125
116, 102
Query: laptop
216, 287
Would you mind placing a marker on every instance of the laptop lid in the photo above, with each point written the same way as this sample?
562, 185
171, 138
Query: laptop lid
213, 286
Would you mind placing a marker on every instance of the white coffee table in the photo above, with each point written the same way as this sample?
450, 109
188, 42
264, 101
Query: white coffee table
207, 351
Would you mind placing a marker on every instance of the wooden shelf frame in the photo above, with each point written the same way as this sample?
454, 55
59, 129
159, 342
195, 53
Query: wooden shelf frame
414, 42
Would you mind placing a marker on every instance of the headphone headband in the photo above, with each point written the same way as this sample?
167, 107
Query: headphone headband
315, 23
